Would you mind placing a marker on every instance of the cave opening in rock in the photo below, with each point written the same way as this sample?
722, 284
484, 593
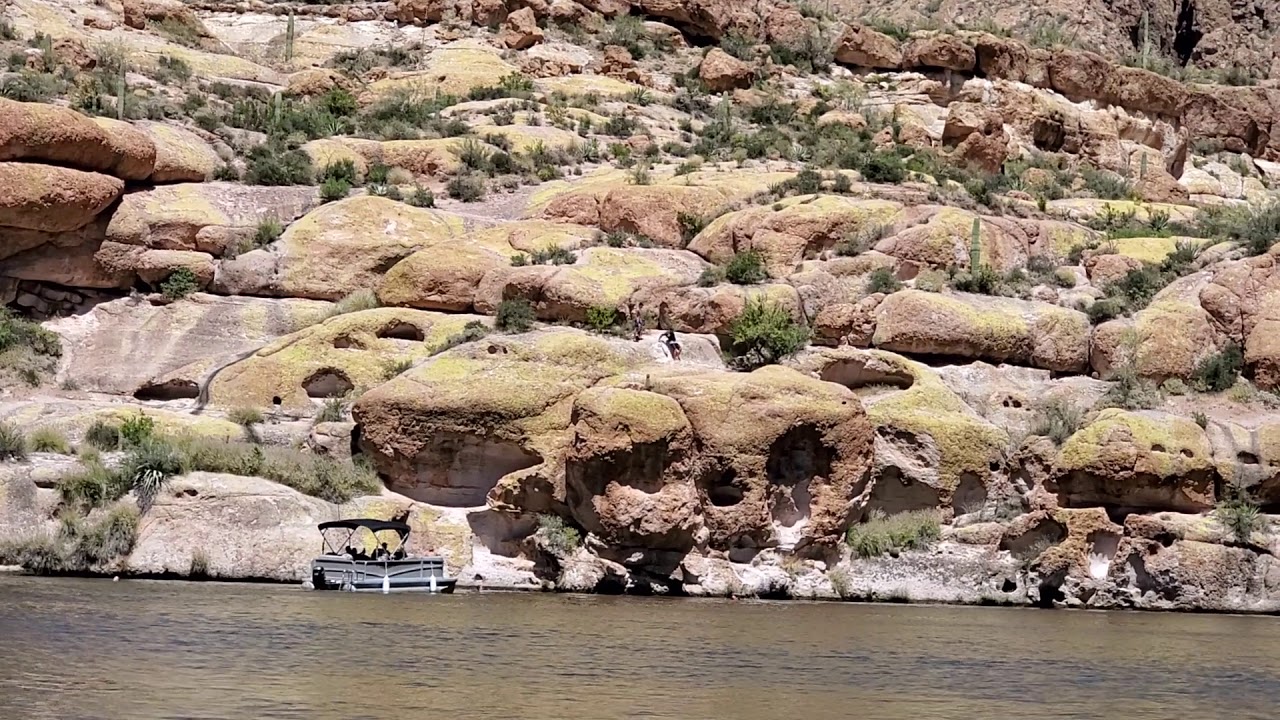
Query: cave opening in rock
799, 455
970, 495
1008, 586
1186, 37
346, 342
327, 383
168, 390
895, 493
853, 373
723, 492
402, 331
459, 469
1030, 544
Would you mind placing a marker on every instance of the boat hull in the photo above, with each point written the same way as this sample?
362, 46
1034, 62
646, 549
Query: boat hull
407, 575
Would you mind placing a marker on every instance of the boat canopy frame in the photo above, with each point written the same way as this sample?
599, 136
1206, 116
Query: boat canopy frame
354, 526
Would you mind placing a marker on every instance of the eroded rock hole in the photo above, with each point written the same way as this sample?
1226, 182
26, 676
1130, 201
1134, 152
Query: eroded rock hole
402, 331
895, 493
724, 493
346, 342
1247, 458
327, 383
970, 495
459, 470
1008, 586
1033, 542
169, 390
799, 455
854, 374
1158, 448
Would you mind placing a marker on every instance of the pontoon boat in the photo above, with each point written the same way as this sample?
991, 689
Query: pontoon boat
383, 568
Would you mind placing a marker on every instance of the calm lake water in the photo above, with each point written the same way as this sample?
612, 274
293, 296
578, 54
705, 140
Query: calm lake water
141, 650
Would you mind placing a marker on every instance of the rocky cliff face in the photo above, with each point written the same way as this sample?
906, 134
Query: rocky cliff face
973, 310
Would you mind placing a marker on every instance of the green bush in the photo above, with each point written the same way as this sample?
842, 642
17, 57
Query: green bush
332, 190
94, 486
273, 164
1240, 513
394, 368
1255, 227
13, 443
269, 230
882, 280
1139, 286
26, 350
180, 283
984, 281
472, 331
79, 546
103, 435
602, 319
861, 240
466, 187
148, 466
333, 409
746, 268
882, 534
552, 255
1064, 278
421, 197
317, 476
763, 334
1057, 419
1201, 419
49, 440
514, 315
1105, 309
136, 429
245, 416
1219, 371
1106, 185
557, 535
357, 301
711, 277
343, 170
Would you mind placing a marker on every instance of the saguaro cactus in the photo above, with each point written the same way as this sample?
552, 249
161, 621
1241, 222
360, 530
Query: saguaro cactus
975, 246
289, 35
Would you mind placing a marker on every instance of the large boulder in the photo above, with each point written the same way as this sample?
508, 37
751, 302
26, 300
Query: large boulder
995, 329
170, 346
337, 249
39, 132
791, 231
181, 155
943, 51
343, 354
214, 218
1243, 300
1145, 91
134, 149
1079, 74
1136, 461
52, 199
863, 47
712, 310
722, 72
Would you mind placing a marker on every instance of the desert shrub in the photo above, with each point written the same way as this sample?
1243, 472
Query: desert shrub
395, 368
333, 409
49, 440
27, 350
557, 535
514, 316
1255, 227
602, 319
1106, 185
343, 170
199, 566
1200, 419
1057, 419
148, 466
180, 283
466, 187
269, 230
355, 302
552, 255
1219, 371
1138, 286
93, 486
1064, 278
690, 225
746, 268
13, 442
472, 331
983, 281
931, 281
333, 189
245, 416
103, 435
274, 164
1105, 309
1184, 255
1174, 386
136, 429
421, 197
764, 333
1240, 513
882, 534
711, 277
882, 280
862, 239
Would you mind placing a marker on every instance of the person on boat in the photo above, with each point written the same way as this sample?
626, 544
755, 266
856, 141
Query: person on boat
382, 553
669, 337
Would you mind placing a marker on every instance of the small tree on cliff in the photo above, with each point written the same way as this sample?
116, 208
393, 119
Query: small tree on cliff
763, 334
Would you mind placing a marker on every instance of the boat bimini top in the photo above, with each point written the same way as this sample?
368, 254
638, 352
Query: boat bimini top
355, 525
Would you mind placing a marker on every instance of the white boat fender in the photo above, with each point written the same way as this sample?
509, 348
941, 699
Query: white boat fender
433, 583
386, 583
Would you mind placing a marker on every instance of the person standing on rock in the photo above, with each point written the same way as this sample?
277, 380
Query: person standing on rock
669, 337
637, 322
